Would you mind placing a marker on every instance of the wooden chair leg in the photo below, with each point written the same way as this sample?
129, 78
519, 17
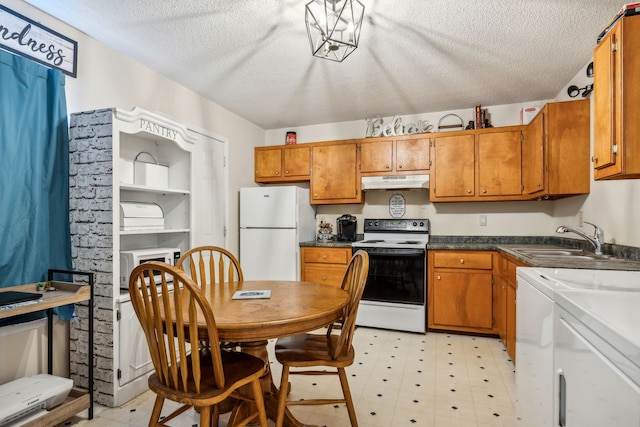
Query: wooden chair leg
282, 395
347, 396
205, 416
216, 415
156, 412
259, 402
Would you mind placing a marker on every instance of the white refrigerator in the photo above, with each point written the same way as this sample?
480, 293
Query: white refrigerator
273, 222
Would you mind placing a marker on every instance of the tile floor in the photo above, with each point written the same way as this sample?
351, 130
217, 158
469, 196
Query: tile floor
398, 379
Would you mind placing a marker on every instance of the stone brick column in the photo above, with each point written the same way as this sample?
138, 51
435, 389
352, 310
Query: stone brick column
91, 216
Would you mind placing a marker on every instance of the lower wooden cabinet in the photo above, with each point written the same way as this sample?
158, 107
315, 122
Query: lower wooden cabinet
505, 301
510, 343
324, 265
474, 291
461, 291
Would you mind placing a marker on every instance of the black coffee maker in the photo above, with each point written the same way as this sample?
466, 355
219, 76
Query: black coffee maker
346, 226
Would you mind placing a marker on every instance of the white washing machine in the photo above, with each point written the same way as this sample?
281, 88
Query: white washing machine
562, 313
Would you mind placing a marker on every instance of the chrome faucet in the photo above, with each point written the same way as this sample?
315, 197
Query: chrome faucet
596, 240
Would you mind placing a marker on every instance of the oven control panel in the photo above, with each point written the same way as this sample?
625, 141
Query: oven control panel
396, 225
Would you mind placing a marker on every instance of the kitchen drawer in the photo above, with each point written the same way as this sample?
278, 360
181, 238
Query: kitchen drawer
327, 255
457, 259
327, 274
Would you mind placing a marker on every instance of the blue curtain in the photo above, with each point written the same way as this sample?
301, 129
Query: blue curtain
34, 173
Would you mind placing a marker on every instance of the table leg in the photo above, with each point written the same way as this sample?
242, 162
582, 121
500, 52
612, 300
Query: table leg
259, 349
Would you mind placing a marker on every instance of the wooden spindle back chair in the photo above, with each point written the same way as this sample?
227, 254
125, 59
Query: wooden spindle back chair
193, 376
334, 350
210, 265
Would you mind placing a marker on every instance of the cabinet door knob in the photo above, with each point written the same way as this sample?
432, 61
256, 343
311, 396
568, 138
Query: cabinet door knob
399, 166
387, 167
438, 277
461, 260
286, 172
277, 172
468, 191
324, 278
484, 190
324, 256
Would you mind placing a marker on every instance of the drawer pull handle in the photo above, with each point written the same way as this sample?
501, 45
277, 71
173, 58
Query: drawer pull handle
461, 260
324, 256
324, 278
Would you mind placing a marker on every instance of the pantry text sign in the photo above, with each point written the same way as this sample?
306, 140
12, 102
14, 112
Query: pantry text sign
24, 37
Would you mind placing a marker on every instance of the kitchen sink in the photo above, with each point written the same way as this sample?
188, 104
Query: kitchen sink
573, 257
561, 253
552, 251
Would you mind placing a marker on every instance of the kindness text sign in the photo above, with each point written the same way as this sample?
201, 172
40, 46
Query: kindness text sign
24, 37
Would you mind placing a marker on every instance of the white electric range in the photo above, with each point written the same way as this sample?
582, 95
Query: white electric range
395, 296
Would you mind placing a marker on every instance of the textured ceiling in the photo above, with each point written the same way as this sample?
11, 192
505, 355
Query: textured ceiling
416, 56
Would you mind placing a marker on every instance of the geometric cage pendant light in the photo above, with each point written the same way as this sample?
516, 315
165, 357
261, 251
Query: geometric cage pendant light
333, 27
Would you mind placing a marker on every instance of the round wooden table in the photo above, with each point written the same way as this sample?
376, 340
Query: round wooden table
293, 308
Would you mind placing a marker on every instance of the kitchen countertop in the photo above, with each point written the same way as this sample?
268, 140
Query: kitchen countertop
606, 264
331, 244
628, 258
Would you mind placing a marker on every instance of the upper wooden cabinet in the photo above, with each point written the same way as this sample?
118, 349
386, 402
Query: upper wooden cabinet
334, 176
616, 127
282, 164
478, 165
549, 158
454, 163
394, 157
376, 157
555, 151
499, 170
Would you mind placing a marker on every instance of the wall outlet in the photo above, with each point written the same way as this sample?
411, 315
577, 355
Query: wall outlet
483, 220
580, 219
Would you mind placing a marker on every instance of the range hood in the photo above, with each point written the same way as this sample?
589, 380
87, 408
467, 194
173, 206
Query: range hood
395, 182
